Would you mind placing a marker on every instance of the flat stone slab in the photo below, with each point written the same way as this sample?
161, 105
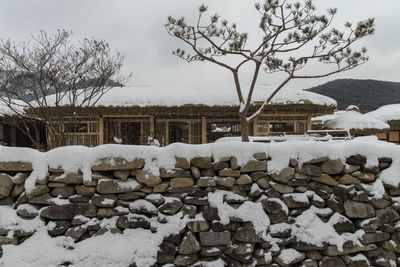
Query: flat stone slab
117, 164
68, 211
16, 166
209, 239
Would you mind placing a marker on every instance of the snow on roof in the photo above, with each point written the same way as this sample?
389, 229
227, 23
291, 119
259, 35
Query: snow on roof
351, 120
386, 113
221, 96
325, 118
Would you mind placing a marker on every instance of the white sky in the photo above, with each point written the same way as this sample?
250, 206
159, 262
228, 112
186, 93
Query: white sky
135, 28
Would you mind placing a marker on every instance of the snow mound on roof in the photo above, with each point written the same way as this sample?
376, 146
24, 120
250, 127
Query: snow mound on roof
350, 120
386, 113
325, 118
220, 96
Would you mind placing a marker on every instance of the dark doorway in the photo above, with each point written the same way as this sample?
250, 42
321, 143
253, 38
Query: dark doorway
130, 133
178, 132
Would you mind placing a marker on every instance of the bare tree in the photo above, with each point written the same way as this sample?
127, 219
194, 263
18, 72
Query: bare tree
292, 37
74, 74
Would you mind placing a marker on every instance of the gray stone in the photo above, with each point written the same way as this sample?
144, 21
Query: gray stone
211, 251
27, 211
198, 201
113, 164
296, 200
112, 186
209, 239
243, 248
356, 160
317, 160
161, 188
172, 173
131, 195
84, 190
68, 211
68, 178
254, 165
198, 226
195, 172
332, 166
189, 244
210, 213
201, 162
283, 189
288, 257
243, 179
370, 238
166, 254
189, 210
147, 178
37, 191
229, 173
247, 234
76, 232
332, 262
207, 172
181, 182
387, 215
60, 228
17, 190
355, 209
347, 179
272, 206
309, 169
364, 176
63, 192
284, 176
206, 182
325, 179
220, 165
342, 224
104, 201
20, 177
225, 181
182, 163
171, 207
185, 260
121, 174
333, 250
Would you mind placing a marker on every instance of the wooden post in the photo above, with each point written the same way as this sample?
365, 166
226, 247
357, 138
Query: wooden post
189, 132
203, 130
308, 122
166, 133
151, 127
255, 132
101, 130
13, 135
295, 126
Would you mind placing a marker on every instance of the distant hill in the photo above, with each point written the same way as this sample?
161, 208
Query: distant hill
368, 95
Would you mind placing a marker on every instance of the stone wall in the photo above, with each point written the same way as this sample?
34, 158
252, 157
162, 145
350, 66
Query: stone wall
331, 194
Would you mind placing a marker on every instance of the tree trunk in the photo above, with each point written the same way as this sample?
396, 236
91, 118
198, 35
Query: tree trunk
244, 127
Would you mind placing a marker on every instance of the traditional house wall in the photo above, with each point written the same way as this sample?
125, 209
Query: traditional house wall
192, 124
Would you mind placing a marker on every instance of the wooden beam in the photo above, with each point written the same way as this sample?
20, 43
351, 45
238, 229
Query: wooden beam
203, 130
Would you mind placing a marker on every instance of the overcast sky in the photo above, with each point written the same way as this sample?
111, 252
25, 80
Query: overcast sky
135, 28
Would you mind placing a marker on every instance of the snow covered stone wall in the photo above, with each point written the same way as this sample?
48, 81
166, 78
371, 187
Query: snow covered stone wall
230, 204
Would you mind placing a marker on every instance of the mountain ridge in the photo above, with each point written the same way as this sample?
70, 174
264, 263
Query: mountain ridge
368, 94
